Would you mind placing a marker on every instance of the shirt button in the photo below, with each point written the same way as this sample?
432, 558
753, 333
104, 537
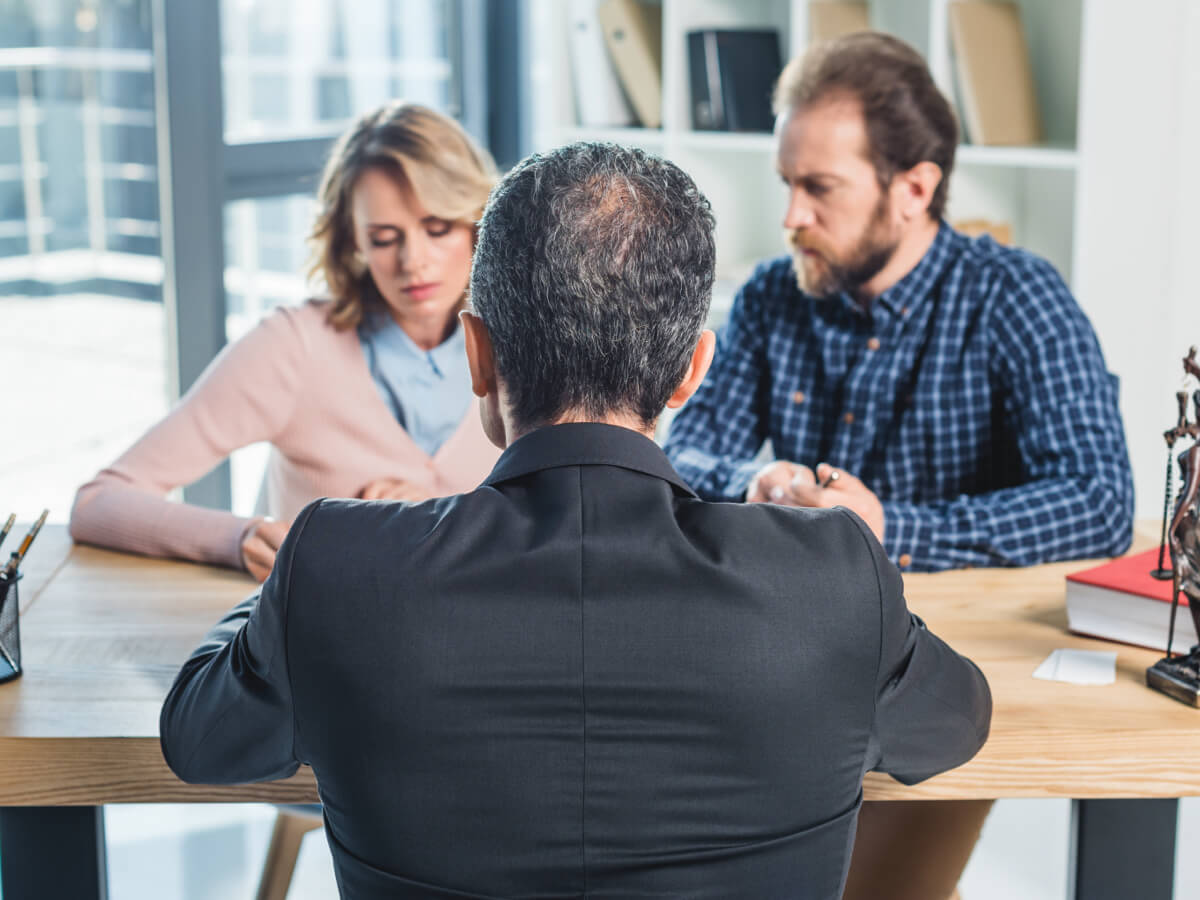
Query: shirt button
905, 560
848, 418
798, 397
873, 344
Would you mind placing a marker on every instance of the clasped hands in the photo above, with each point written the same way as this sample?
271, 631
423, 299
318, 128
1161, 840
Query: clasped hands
791, 484
262, 541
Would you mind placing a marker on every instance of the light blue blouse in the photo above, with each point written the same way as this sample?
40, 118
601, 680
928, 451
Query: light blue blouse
428, 391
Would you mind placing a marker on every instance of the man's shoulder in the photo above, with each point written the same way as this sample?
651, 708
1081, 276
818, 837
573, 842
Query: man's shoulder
347, 535
782, 534
1012, 272
772, 280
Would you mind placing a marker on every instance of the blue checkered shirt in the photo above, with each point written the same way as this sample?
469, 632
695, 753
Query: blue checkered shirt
971, 397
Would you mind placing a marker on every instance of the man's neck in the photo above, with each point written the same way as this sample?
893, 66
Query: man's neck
911, 250
633, 423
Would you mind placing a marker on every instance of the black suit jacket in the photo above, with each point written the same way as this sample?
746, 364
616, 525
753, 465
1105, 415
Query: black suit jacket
578, 680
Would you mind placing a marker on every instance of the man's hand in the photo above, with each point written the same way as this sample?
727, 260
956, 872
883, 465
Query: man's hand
790, 484
261, 544
394, 489
773, 483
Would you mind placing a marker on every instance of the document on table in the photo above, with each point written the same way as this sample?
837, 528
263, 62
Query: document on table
1079, 667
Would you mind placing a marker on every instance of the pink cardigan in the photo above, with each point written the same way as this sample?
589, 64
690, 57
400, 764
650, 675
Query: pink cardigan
304, 387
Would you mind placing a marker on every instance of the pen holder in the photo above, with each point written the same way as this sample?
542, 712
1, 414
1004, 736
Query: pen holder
10, 629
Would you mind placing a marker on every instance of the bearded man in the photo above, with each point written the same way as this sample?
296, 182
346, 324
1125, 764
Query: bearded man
948, 390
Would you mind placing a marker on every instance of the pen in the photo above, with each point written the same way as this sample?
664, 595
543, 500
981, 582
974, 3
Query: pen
7, 527
833, 476
19, 554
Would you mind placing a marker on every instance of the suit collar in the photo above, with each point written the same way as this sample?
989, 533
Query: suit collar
585, 444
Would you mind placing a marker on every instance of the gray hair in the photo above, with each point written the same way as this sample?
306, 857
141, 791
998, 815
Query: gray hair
593, 274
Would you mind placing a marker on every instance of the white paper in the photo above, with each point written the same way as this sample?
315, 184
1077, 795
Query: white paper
1079, 667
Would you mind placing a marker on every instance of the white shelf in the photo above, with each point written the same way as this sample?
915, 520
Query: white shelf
1017, 157
1061, 158
1035, 190
641, 137
757, 142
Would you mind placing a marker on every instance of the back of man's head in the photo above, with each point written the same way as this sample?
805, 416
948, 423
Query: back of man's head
593, 274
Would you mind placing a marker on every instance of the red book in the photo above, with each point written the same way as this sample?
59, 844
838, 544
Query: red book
1121, 601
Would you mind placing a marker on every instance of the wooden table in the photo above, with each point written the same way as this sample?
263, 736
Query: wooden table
104, 633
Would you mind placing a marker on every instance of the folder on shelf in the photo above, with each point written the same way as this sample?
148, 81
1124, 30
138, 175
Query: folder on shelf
829, 19
633, 33
731, 75
599, 100
994, 75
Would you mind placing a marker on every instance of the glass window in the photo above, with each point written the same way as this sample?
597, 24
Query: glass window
300, 67
80, 274
266, 254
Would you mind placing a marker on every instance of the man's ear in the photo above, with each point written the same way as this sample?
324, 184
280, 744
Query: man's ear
480, 357
702, 358
916, 188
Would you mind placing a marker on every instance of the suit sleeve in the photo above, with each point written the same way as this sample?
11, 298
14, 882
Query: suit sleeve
228, 718
933, 707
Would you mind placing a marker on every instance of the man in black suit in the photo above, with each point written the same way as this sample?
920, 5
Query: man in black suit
580, 680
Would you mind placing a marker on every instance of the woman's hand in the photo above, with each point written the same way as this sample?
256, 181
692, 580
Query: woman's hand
394, 489
260, 545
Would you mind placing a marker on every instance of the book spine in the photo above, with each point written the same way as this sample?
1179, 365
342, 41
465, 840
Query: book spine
599, 100
708, 102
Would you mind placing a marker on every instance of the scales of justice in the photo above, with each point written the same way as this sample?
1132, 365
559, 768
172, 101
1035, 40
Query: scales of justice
1178, 676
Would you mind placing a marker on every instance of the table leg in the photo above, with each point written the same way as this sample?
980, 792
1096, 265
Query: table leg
52, 851
1121, 849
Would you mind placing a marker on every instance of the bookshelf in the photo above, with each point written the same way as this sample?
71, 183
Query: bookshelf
1031, 188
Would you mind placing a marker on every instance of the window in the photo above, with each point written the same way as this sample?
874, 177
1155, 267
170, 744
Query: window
79, 249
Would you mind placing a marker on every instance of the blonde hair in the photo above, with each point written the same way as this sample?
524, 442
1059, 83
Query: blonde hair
449, 173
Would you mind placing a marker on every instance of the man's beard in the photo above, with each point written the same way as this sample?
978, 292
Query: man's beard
826, 274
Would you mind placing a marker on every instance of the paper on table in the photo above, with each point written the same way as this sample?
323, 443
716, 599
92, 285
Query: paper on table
1079, 667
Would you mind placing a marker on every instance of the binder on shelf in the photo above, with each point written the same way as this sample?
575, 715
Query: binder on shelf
599, 100
633, 34
828, 19
993, 74
731, 74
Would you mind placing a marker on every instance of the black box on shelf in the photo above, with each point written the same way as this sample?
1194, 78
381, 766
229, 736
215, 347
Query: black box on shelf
732, 73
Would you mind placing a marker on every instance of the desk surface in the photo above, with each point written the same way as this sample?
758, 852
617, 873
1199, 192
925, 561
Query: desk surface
102, 635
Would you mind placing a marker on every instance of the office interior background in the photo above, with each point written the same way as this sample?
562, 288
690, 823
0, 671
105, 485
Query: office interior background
158, 160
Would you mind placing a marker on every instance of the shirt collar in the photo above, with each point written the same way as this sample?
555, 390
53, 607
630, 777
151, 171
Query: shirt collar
388, 337
904, 296
585, 444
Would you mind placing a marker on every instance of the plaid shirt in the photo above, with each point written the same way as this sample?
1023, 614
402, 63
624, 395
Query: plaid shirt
971, 397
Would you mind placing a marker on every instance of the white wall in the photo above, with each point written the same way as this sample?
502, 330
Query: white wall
1138, 235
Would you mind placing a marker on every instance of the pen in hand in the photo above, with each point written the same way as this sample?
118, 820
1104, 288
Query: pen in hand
14, 561
829, 479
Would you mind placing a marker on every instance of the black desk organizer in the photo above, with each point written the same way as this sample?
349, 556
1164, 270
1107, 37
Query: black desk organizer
10, 629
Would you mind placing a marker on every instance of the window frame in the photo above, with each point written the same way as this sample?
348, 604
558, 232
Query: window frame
487, 58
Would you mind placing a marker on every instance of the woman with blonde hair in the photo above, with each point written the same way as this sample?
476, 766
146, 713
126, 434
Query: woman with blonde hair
364, 394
